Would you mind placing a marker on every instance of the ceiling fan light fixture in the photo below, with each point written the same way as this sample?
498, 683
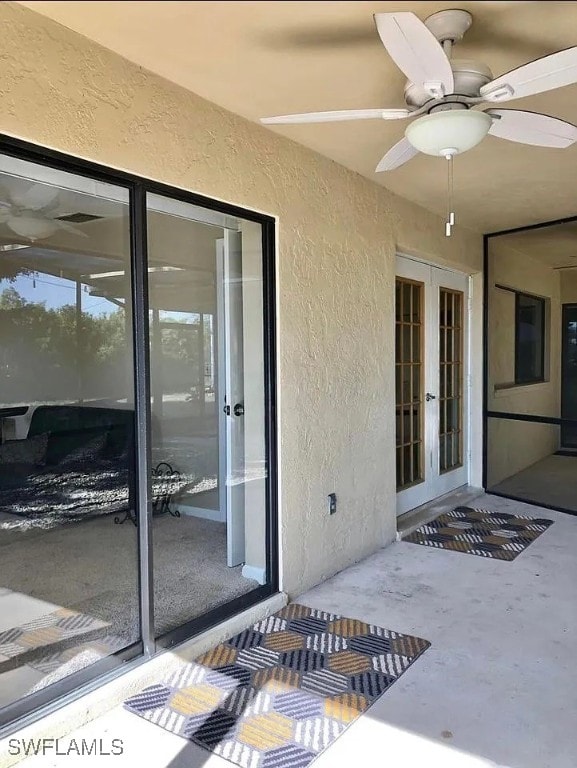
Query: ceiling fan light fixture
32, 227
449, 132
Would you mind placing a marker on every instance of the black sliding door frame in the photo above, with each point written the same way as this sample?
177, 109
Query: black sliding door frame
36, 705
566, 309
143, 438
489, 414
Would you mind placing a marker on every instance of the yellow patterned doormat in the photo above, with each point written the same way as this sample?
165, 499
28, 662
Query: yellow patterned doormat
47, 634
480, 532
279, 693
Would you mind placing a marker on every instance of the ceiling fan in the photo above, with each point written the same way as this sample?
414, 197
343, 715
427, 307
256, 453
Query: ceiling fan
32, 214
440, 92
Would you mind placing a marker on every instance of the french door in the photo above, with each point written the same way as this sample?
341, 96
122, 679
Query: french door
431, 329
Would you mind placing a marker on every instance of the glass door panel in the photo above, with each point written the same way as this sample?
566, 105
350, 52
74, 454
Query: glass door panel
69, 596
450, 379
207, 409
409, 390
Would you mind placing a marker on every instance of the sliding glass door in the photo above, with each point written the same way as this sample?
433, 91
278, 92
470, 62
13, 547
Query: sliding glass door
205, 288
137, 504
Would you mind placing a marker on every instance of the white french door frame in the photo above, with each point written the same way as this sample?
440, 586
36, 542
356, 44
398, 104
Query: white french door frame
436, 483
230, 394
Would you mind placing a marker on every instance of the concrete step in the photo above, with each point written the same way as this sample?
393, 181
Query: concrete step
412, 520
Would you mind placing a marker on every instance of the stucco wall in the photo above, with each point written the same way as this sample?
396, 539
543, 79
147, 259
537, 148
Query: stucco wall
337, 237
515, 445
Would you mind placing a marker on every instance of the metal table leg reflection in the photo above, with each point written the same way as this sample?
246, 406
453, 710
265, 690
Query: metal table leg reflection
165, 480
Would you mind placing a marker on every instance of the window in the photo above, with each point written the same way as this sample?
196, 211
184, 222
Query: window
519, 343
529, 339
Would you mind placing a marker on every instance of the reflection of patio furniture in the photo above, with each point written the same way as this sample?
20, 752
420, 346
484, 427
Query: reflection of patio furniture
73, 464
166, 481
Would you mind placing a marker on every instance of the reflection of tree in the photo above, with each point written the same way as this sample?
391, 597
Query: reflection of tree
10, 271
44, 352
180, 343
180, 357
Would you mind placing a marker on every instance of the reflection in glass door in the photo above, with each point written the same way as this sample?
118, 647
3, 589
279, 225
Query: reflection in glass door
207, 410
136, 421
431, 402
69, 598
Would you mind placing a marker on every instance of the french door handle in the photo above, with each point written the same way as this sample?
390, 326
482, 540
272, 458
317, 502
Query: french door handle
429, 396
238, 409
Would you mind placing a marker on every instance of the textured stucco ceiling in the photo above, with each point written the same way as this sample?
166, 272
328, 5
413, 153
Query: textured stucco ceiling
266, 58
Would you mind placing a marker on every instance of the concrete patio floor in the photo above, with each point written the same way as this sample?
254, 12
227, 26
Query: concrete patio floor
497, 687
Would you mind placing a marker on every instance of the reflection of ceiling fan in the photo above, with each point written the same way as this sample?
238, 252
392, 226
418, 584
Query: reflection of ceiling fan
32, 213
440, 92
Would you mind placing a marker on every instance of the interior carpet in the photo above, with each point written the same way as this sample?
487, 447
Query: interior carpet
480, 532
279, 693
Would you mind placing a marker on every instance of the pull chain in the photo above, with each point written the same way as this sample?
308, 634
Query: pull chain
450, 212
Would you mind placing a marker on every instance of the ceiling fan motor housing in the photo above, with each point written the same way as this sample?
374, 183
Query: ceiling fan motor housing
469, 76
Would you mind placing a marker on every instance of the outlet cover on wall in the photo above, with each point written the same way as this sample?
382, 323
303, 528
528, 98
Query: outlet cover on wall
332, 503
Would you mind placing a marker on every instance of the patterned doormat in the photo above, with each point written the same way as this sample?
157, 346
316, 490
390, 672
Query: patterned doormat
52, 632
278, 694
480, 532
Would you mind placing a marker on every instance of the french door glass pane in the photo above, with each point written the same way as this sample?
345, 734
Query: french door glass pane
408, 386
450, 379
66, 427
207, 406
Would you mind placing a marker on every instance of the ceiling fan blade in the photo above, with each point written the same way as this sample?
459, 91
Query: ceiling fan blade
5, 200
416, 52
397, 155
37, 197
532, 128
342, 114
537, 76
